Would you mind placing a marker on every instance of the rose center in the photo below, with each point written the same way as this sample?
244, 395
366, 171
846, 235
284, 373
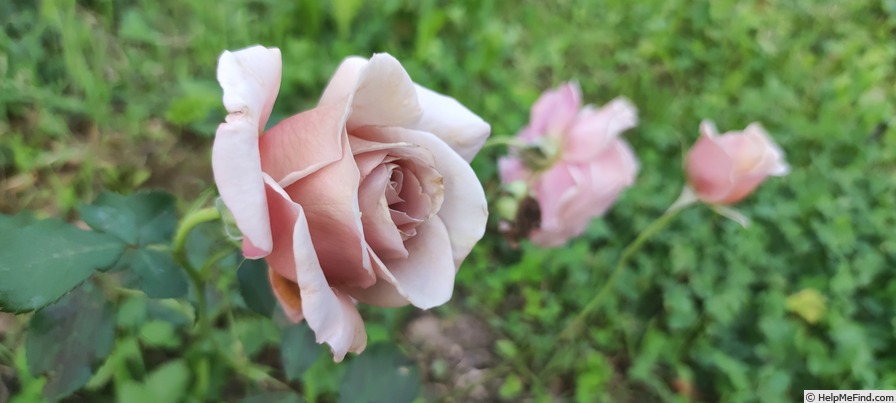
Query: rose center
409, 202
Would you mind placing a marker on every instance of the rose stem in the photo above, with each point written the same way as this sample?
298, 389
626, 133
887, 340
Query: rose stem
180, 256
577, 325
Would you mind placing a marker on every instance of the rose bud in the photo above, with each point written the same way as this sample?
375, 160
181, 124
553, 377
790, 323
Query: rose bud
724, 169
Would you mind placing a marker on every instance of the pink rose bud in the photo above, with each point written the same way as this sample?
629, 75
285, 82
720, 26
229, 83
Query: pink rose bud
369, 197
723, 169
582, 164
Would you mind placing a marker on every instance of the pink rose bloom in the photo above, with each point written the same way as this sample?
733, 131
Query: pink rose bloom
725, 169
368, 197
589, 164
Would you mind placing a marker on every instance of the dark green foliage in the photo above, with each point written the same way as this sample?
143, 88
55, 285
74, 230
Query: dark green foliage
381, 374
146, 221
68, 339
140, 219
273, 397
42, 260
705, 306
255, 286
298, 350
157, 274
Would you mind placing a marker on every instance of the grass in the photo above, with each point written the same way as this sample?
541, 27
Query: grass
122, 95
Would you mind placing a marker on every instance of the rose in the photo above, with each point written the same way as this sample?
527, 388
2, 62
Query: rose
725, 169
367, 197
581, 165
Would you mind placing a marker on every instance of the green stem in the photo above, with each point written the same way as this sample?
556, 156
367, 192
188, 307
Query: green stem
186, 225
240, 363
6, 355
214, 259
578, 323
503, 141
179, 251
627, 253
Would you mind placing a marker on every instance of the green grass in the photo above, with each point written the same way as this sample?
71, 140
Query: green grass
122, 94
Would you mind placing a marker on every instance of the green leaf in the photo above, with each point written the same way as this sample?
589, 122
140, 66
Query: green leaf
273, 397
159, 276
511, 388
141, 218
67, 339
808, 303
43, 261
255, 333
159, 334
133, 392
381, 374
344, 11
125, 356
11, 222
207, 239
169, 382
298, 350
255, 287
132, 312
111, 220
169, 311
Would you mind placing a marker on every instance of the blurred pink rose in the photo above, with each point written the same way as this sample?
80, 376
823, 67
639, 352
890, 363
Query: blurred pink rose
725, 169
367, 197
587, 164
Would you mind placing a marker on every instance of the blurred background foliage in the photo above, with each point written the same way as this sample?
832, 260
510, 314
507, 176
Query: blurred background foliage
120, 95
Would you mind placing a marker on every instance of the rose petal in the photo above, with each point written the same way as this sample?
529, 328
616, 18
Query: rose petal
303, 143
425, 278
368, 161
344, 81
592, 131
709, 167
773, 160
382, 94
383, 293
251, 251
379, 230
361, 145
450, 121
395, 185
512, 169
742, 188
416, 167
606, 177
464, 210
328, 311
330, 198
554, 111
561, 192
419, 195
405, 222
287, 292
251, 79
571, 195
282, 221
236, 165
553, 188
746, 152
